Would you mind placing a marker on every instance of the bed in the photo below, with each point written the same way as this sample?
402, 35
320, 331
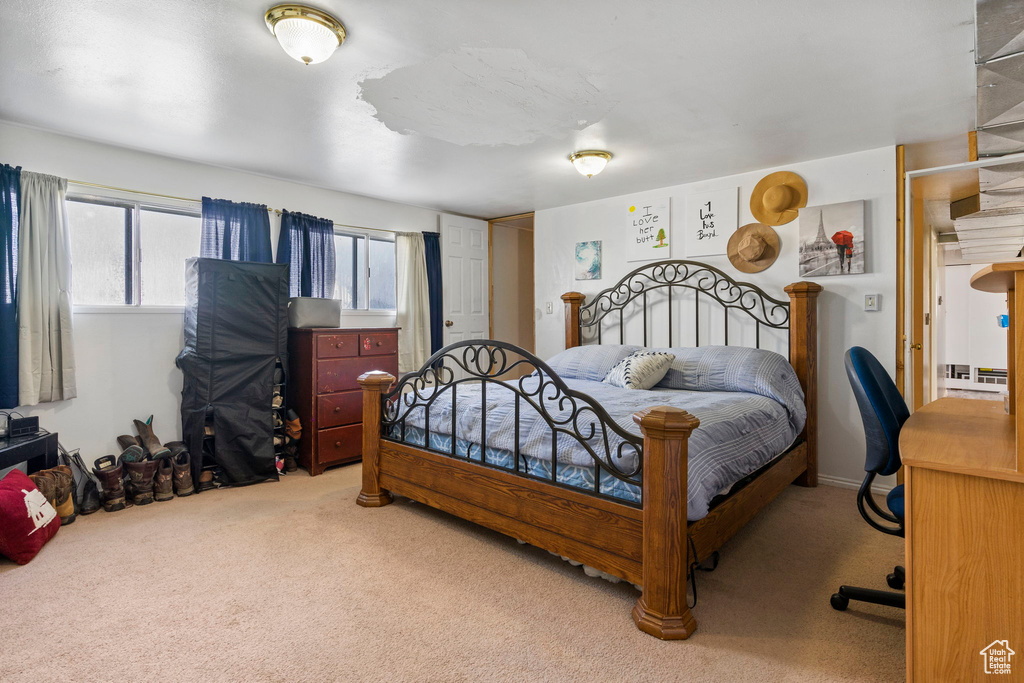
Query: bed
549, 454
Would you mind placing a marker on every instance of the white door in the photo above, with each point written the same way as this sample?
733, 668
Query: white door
464, 272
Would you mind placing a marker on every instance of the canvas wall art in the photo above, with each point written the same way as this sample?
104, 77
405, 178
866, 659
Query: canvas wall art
709, 221
648, 231
832, 239
588, 260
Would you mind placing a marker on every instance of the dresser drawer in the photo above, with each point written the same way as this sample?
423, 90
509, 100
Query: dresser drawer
378, 344
337, 345
339, 409
339, 444
340, 374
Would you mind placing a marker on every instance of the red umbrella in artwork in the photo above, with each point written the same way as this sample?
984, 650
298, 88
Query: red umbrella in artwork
844, 237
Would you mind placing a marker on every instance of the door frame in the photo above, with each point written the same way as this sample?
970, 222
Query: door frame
490, 262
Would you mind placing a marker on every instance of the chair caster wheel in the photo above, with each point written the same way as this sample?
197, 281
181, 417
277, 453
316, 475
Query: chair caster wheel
839, 602
895, 581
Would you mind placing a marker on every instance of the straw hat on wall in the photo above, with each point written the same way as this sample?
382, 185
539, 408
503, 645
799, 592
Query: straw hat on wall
777, 197
753, 248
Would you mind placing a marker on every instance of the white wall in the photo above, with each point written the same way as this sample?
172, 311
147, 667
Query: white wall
842, 322
969, 330
126, 360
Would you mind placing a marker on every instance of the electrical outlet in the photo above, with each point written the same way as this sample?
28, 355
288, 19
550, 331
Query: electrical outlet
551, 307
872, 302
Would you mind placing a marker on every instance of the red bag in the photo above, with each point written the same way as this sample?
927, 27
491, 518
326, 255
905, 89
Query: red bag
27, 520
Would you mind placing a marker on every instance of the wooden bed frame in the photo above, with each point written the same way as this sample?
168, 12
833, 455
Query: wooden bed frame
645, 545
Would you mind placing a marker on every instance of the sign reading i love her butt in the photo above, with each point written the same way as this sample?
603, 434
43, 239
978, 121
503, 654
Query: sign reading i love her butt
648, 231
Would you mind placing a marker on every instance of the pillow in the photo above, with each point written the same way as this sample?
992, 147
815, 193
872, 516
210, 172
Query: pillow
640, 370
589, 362
27, 520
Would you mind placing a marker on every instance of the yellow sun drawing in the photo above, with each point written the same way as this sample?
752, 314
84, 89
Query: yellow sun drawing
632, 209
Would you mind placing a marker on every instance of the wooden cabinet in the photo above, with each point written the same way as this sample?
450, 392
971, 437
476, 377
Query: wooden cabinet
323, 366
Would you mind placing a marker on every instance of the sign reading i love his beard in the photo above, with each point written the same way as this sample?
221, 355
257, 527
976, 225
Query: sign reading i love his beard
709, 222
648, 231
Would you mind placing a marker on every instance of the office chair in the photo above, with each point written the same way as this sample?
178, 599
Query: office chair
883, 411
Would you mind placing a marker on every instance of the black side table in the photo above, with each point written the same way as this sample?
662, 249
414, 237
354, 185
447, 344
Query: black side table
38, 451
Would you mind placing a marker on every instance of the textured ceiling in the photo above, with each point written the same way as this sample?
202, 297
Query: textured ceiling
473, 107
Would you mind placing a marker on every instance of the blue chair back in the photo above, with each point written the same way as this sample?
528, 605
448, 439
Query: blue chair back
882, 409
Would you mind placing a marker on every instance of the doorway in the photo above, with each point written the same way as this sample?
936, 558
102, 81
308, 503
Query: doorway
510, 259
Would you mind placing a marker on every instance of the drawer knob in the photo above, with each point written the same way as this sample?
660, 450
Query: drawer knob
380, 343
337, 409
339, 345
337, 444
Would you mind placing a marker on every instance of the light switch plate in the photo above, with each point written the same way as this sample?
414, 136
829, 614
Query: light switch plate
551, 307
872, 302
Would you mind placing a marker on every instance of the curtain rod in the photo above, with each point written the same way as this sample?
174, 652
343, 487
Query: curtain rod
198, 201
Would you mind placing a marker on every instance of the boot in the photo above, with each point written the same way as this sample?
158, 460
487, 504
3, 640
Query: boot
47, 485
109, 470
149, 440
88, 501
65, 481
163, 480
126, 441
183, 474
141, 476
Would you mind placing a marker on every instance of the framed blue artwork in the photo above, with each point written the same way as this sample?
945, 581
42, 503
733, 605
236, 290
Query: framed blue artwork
588, 260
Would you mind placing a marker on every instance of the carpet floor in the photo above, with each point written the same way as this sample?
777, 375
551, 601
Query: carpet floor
294, 582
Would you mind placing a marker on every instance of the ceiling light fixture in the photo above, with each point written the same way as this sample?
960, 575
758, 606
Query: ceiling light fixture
590, 162
306, 34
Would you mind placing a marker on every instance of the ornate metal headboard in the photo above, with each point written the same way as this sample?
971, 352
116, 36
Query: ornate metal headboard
701, 278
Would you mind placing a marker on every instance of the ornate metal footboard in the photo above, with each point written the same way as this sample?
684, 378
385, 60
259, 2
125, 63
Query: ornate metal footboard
426, 407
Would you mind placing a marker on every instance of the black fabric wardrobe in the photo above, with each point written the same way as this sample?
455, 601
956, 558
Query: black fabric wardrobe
236, 328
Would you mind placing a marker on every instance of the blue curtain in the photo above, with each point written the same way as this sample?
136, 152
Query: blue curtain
235, 231
10, 203
306, 244
432, 245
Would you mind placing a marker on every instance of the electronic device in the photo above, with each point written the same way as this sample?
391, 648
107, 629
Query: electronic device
22, 426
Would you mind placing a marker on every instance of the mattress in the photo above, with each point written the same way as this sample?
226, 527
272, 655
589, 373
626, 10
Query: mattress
739, 433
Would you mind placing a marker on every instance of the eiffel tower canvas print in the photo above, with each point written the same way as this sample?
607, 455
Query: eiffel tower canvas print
832, 239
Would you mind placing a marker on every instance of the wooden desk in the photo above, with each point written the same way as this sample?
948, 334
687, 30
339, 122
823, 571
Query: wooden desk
965, 539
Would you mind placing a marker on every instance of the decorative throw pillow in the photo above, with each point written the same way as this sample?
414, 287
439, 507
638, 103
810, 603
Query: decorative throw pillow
27, 520
640, 370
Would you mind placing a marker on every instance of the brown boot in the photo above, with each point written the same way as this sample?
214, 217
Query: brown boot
182, 472
109, 471
141, 475
126, 441
65, 481
149, 440
47, 485
163, 488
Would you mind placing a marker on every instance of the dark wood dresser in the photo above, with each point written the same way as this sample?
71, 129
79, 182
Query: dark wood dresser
324, 364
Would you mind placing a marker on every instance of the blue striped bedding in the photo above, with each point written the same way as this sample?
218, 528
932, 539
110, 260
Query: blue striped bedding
748, 402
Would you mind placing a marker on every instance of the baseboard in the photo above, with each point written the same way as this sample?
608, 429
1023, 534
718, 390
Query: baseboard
843, 483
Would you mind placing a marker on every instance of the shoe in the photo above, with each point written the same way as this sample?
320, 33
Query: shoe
126, 441
163, 480
149, 440
109, 470
88, 501
141, 475
292, 425
65, 481
277, 402
47, 485
182, 464
206, 480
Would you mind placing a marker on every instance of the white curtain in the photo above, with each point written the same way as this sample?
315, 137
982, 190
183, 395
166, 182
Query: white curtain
413, 301
46, 362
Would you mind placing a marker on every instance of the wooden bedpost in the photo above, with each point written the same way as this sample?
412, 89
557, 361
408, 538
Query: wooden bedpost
661, 610
373, 383
573, 301
803, 355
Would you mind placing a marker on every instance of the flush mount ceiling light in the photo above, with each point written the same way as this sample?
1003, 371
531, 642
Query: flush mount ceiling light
306, 33
590, 162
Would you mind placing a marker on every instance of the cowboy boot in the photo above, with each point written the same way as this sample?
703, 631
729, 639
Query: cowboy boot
65, 481
126, 441
47, 485
149, 440
183, 474
109, 470
163, 480
141, 475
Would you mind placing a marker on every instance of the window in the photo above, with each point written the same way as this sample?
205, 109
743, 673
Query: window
130, 253
365, 271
